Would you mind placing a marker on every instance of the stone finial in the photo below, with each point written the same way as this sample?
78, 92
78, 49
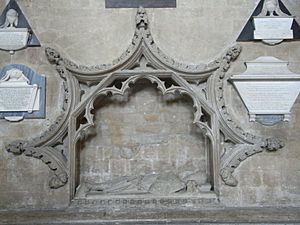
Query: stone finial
141, 19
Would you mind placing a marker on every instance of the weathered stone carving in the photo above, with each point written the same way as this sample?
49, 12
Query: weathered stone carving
144, 60
53, 159
241, 153
158, 184
245, 143
153, 183
42, 147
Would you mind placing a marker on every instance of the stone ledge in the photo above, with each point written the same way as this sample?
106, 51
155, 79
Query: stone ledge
213, 216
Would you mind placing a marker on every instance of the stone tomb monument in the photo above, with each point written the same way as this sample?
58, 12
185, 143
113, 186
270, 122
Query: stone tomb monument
22, 93
143, 155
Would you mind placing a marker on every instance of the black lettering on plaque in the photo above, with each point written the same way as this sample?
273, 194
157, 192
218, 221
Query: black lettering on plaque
138, 3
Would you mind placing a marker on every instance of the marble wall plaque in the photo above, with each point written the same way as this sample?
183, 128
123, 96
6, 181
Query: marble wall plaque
13, 39
273, 25
268, 97
273, 30
22, 93
277, 12
268, 88
12, 20
18, 98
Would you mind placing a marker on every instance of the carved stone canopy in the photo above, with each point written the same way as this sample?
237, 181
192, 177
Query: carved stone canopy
83, 85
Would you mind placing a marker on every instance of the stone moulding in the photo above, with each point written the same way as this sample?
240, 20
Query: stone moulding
142, 60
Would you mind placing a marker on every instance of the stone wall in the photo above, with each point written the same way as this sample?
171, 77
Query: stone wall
196, 31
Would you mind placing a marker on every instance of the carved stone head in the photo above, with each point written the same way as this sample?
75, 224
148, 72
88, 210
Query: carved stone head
141, 18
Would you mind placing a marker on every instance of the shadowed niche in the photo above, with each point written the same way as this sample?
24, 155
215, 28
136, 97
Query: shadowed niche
143, 143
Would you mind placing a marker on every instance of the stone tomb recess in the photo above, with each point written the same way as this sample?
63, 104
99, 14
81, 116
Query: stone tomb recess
168, 141
144, 144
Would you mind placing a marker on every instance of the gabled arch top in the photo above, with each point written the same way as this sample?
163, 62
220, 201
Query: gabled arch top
143, 43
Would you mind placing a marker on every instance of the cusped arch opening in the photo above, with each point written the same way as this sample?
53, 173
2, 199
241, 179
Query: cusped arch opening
143, 142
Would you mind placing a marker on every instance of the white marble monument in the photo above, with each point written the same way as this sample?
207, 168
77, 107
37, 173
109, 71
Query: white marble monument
11, 37
268, 87
272, 26
17, 95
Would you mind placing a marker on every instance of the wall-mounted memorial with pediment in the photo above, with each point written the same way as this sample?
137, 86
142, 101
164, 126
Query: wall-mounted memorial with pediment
15, 31
271, 23
22, 93
268, 89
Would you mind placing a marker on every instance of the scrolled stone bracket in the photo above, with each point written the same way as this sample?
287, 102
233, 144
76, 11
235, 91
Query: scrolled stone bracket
53, 159
242, 152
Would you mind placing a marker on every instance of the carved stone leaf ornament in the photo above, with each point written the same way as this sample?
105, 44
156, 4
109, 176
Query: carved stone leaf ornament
143, 60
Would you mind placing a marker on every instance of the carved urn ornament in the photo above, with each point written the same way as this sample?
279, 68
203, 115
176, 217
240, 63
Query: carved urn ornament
11, 37
272, 25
